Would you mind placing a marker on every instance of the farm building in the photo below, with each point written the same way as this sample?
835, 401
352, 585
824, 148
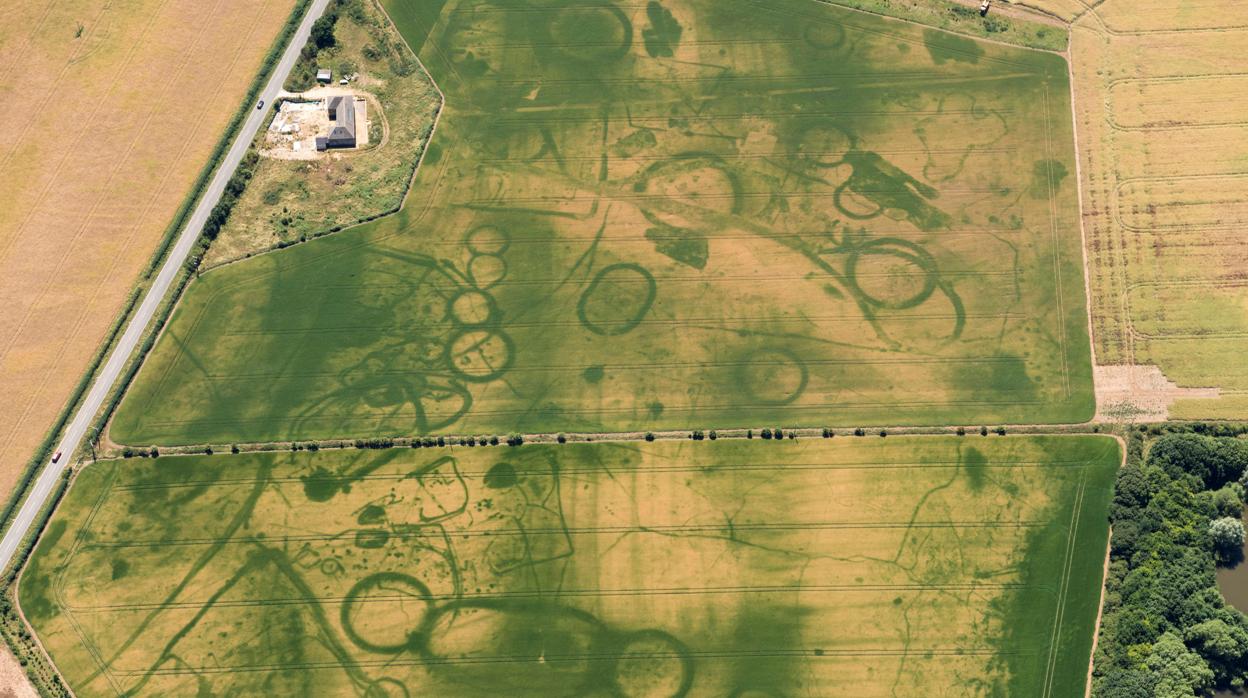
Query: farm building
341, 124
323, 75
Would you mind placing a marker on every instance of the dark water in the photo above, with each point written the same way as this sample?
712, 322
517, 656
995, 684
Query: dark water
1233, 582
1234, 585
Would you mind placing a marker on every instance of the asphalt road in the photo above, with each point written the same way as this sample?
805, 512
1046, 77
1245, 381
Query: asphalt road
116, 363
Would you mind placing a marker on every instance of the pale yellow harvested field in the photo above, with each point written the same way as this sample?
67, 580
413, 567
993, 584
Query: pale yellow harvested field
1136, 16
111, 111
1162, 118
1170, 103
1189, 310
1156, 204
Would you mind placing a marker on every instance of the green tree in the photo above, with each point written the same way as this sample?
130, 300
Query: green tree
323, 30
1215, 461
1229, 501
1179, 672
1223, 645
1227, 534
1131, 683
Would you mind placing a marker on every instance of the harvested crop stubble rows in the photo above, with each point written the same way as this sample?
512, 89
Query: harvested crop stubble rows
912, 566
1160, 112
663, 216
111, 111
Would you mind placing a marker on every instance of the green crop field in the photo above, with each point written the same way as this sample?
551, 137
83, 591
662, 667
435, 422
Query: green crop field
675, 215
907, 566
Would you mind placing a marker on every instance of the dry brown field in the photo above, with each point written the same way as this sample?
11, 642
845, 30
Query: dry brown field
111, 111
1161, 103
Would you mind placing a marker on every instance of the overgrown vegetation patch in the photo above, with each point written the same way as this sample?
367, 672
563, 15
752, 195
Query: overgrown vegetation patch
1176, 515
294, 200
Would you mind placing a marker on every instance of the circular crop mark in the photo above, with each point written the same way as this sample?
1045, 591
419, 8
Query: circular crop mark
823, 145
692, 179
652, 664
597, 33
892, 273
774, 376
545, 650
439, 406
617, 299
386, 687
488, 240
853, 204
480, 355
383, 612
825, 35
471, 308
332, 567
486, 270
381, 393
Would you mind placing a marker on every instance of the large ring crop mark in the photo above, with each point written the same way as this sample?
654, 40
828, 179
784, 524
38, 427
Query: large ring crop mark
675, 649
469, 340
691, 161
902, 249
615, 53
775, 357
624, 325
471, 308
349, 604
487, 240
598, 638
486, 270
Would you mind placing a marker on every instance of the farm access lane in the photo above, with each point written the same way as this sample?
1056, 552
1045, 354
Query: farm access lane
137, 326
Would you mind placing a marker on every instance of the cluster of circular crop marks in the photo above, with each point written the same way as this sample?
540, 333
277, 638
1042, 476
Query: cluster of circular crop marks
449, 337
479, 351
510, 647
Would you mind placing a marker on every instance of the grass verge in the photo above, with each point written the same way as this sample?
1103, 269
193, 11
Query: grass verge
960, 18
